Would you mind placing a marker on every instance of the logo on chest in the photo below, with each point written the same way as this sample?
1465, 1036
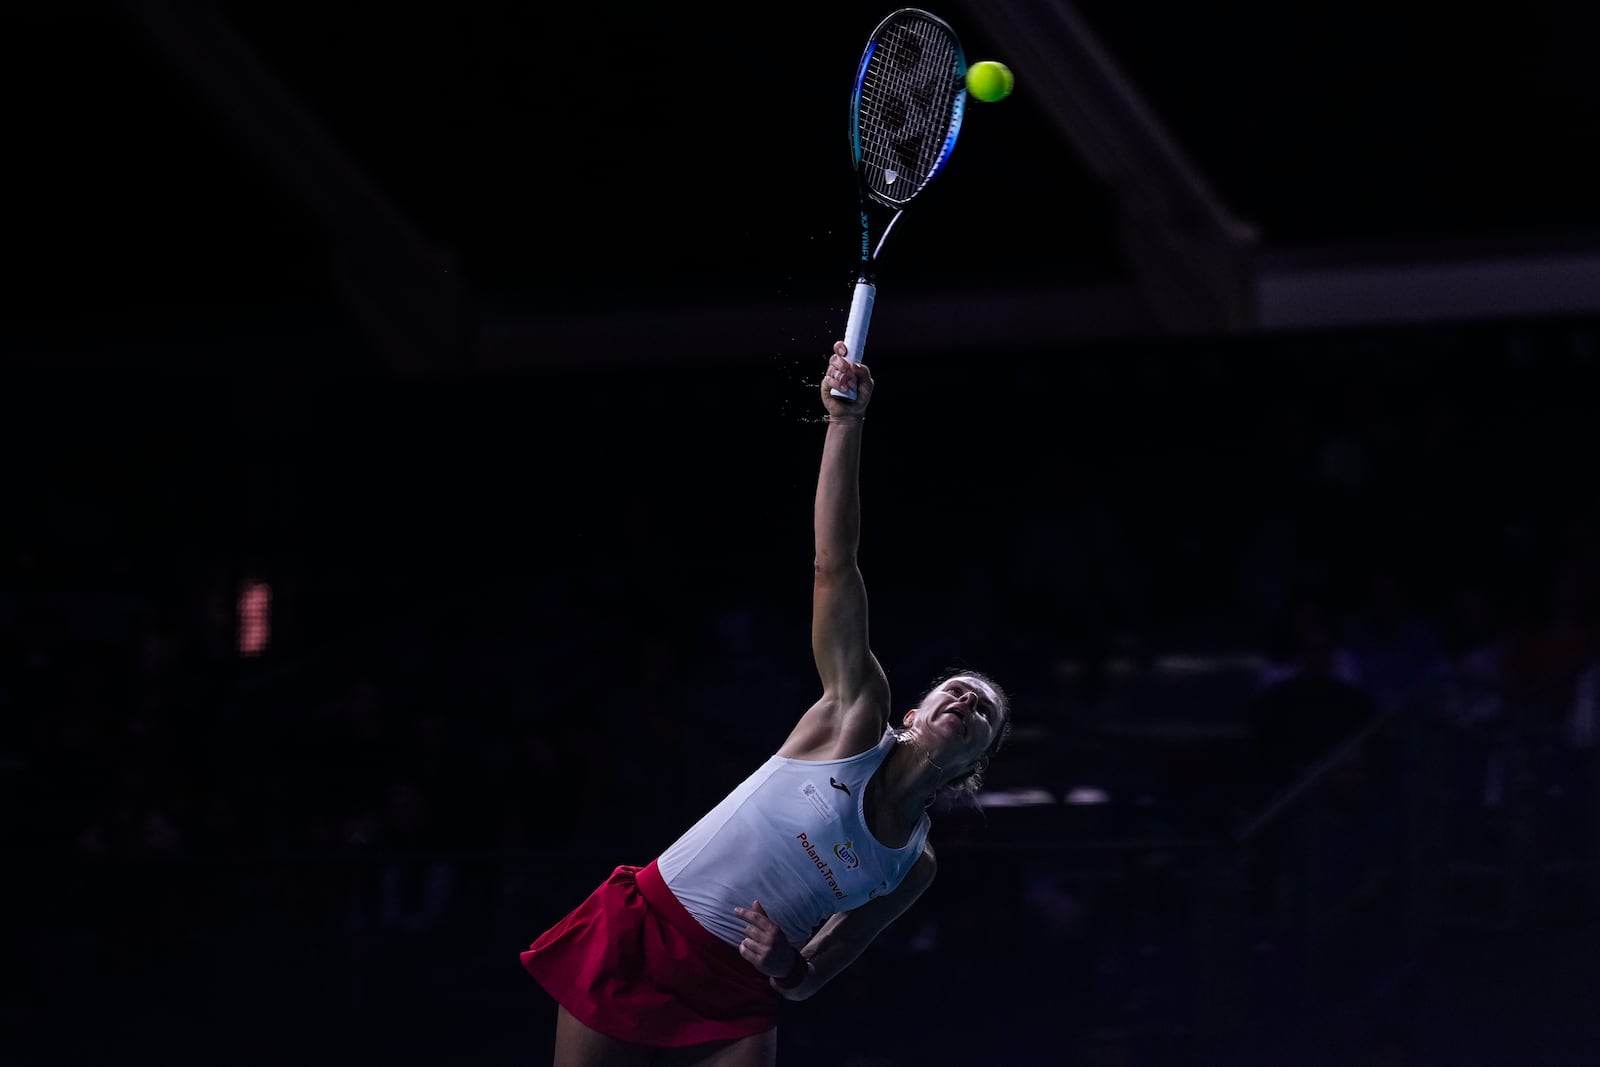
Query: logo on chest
823, 866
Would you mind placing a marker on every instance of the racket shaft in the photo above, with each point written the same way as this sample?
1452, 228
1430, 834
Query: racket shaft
855, 330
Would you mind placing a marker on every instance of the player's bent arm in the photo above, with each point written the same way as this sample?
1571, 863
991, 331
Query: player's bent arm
845, 936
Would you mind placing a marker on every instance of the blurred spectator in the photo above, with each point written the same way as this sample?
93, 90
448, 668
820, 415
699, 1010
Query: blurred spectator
665, 735
1473, 700
1310, 699
135, 818
341, 753
1474, 647
1583, 723
414, 877
1309, 702
1398, 655
1305, 642
1340, 900
403, 883
1558, 638
535, 764
1268, 568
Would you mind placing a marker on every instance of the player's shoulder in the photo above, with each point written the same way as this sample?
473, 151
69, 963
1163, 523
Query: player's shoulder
831, 729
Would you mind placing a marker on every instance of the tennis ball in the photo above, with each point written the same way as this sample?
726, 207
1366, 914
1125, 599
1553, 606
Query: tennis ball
990, 81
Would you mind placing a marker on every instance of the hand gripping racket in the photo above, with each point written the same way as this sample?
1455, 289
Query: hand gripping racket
905, 112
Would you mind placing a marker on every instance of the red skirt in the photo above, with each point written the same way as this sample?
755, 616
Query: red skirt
631, 963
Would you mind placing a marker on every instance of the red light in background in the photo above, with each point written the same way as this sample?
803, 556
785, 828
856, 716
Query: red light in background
255, 617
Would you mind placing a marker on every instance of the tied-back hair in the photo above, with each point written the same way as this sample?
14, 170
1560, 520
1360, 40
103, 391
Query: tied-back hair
966, 787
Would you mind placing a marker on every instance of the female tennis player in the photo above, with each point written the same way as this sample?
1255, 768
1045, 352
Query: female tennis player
785, 882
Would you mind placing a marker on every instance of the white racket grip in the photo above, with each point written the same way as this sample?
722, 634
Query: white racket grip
855, 330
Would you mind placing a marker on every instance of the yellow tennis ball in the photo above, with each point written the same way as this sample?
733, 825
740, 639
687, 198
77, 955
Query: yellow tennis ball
990, 80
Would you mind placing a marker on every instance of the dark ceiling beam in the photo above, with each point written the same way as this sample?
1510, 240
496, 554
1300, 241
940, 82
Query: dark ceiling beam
1188, 254
1445, 282
1295, 291
925, 324
399, 286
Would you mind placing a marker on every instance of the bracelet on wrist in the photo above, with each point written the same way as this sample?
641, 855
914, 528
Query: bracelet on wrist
797, 973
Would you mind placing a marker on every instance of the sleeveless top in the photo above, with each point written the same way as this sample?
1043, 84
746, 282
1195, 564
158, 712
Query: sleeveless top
794, 836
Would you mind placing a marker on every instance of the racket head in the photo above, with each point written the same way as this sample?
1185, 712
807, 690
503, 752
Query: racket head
907, 105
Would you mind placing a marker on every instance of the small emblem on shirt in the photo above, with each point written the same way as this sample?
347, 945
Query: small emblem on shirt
823, 866
839, 785
847, 855
813, 794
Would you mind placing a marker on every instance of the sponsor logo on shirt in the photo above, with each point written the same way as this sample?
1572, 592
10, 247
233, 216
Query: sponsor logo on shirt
847, 855
813, 794
822, 865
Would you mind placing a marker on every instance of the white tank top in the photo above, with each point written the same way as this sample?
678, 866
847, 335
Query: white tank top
794, 836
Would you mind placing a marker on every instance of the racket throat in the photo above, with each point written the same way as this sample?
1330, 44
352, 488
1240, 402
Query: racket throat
877, 249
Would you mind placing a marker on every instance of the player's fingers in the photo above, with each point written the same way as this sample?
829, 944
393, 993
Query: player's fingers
840, 348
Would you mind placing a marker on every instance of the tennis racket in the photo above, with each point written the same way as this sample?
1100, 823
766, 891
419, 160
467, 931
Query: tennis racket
905, 111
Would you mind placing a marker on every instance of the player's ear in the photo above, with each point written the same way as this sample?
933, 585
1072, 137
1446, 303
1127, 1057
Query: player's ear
909, 714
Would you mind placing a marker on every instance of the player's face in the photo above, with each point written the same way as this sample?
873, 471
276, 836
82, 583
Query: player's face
961, 717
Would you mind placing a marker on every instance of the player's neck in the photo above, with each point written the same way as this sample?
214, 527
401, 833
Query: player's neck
910, 778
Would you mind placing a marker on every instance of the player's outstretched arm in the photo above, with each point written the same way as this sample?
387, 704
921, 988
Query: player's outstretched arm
839, 640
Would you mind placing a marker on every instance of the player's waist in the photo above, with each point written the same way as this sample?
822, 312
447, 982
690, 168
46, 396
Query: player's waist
654, 889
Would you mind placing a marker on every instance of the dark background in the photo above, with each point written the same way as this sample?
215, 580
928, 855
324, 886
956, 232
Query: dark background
487, 335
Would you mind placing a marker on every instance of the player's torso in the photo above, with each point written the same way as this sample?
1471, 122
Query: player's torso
795, 835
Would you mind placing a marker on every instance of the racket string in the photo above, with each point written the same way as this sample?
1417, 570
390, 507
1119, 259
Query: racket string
909, 108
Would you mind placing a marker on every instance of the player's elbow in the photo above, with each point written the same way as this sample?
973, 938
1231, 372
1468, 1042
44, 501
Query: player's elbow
829, 565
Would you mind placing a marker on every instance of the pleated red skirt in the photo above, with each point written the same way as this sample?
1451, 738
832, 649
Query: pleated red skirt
631, 963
